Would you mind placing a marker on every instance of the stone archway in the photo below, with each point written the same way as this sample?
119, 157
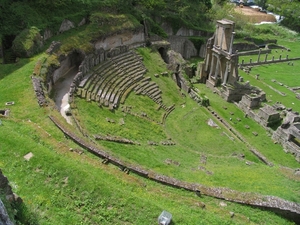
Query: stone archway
163, 53
162, 47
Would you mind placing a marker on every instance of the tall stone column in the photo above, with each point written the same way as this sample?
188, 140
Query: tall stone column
231, 43
222, 37
226, 73
217, 70
216, 37
212, 65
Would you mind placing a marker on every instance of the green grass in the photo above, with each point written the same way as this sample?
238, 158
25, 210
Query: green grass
187, 127
281, 72
59, 186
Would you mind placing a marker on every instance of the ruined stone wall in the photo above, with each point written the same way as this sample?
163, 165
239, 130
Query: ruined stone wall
105, 48
129, 38
183, 31
244, 47
183, 46
4, 217
65, 65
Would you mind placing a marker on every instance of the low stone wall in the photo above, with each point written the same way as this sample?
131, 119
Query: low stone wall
280, 206
255, 52
244, 47
39, 92
280, 60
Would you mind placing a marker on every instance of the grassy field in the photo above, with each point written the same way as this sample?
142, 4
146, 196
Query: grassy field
60, 186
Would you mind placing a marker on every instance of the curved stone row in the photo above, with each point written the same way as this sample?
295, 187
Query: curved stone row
89, 62
112, 80
290, 210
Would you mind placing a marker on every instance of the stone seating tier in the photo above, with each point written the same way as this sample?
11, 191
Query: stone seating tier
84, 80
104, 82
125, 54
103, 69
145, 87
112, 95
133, 82
152, 91
111, 81
129, 59
131, 68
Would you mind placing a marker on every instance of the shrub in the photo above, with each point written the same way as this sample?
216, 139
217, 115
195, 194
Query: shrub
27, 43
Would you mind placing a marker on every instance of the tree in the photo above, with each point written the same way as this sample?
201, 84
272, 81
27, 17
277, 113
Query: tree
289, 9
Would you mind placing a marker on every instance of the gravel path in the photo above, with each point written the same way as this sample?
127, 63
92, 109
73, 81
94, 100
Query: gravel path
61, 93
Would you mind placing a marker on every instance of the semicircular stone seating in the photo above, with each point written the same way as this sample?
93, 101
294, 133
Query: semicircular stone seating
110, 82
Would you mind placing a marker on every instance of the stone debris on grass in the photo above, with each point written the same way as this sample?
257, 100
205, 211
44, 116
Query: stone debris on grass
10, 103
211, 123
28, 156
223, 204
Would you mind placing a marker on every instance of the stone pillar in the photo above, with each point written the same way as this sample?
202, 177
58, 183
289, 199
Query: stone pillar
266, 58
212, 65
279, 57
207, 61
216, 37
259, 55
217, 68
287, 56
226, 73
222, 37
231, 42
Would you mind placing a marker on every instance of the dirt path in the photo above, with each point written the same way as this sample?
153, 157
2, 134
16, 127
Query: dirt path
61, 93
254, 15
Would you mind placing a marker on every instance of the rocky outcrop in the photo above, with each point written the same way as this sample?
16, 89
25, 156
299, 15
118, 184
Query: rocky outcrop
55, 45
6, 191
82, 22
66, 25
47, 34
4, 218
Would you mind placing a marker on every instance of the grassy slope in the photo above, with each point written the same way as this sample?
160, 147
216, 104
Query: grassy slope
187, 127
62, 187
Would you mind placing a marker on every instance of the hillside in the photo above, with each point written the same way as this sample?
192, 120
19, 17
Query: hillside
154, 126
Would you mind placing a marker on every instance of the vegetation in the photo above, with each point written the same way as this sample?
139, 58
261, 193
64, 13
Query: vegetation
64, 184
